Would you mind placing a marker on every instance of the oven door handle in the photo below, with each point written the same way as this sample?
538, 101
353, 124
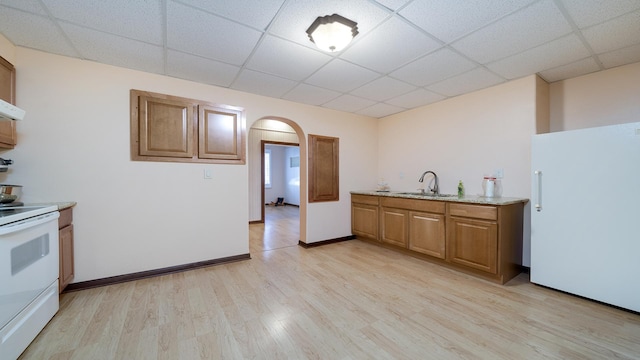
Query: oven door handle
27, 223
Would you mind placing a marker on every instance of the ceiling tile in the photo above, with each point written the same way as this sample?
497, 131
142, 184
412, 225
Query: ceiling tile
263, 84
140, 20
419, 97
286, 59
591, 12
390, 46
615, 34
295, 18
32, 6
567, 49
393, 4
380, 110
342, 76
312, 95
449, 20
578, 68
383, 89
194, 31
244, 11
434, 67
199, 69
41, 34
348, 103
115, 50
620, 57
473, 80
527, 28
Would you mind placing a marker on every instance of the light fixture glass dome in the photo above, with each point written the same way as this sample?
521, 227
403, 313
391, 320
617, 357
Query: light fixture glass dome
332, 33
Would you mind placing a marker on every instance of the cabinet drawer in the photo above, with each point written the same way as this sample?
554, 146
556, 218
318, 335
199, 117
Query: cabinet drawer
364, 199
437, 207
66, 218
474, 211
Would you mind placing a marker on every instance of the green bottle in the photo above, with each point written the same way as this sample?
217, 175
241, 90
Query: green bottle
460, 189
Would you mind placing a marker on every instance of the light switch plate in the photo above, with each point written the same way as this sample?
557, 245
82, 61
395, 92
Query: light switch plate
499, 173
207, 174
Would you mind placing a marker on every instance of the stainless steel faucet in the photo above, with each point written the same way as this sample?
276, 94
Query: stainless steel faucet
435, 190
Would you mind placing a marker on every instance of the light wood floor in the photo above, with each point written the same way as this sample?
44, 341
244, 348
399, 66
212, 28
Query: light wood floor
348, 300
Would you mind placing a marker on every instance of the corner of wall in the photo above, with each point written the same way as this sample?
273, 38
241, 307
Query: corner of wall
543, 110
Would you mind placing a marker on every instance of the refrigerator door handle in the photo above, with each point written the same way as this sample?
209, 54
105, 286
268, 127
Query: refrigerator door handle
538, 204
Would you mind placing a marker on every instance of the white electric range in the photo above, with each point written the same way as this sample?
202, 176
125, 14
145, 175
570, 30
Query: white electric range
28, 274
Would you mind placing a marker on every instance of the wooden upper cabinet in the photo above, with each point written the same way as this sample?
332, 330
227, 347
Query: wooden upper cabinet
220, 133
170, 128
8, 94
323, 168
166, 127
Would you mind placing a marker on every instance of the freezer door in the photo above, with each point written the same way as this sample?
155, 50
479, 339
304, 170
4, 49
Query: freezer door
584, 224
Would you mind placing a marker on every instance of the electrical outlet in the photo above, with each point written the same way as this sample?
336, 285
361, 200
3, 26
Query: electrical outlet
207, 174
499, 173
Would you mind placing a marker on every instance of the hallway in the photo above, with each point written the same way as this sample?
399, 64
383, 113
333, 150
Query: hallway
281, 229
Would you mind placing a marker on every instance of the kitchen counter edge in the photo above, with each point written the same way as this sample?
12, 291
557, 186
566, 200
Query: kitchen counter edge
60, 204
465, 199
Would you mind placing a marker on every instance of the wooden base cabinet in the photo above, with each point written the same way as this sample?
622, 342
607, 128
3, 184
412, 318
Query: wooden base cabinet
65, 237
481, 239
364, 216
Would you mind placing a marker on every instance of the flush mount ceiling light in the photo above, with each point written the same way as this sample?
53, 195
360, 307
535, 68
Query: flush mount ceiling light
332, 32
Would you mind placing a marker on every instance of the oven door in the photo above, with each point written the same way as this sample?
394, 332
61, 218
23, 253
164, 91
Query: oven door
28, 267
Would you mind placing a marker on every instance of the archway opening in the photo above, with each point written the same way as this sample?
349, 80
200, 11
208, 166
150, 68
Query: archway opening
272, 130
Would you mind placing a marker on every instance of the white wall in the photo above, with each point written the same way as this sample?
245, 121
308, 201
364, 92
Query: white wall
278, 185
604, 98
292, 176
133, 216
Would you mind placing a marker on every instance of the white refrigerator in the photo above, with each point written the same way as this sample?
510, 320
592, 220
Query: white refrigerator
585, 215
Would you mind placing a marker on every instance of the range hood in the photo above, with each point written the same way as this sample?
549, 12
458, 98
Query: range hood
11, 112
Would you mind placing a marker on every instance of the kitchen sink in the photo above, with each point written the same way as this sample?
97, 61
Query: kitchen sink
427, 194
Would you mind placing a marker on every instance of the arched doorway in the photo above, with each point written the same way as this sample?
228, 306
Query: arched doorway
284, 131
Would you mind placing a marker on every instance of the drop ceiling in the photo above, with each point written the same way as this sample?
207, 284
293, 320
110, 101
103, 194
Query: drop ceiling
409, 53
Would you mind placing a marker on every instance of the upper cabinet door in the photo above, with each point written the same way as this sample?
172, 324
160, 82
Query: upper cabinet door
220, 133
166, 127
8, 94
324, 178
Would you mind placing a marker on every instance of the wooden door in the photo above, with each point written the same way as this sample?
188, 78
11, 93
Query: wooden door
8, 94
473, 243
394, 226
324, 178
427, 233
220, 133
166, 127
364, 220
66, 256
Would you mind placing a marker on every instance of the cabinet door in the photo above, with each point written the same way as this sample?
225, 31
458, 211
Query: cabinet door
7, 93
166, 127
324, 178
395, 226
66, 256
473, 243
427, 233
220, 133
364, 220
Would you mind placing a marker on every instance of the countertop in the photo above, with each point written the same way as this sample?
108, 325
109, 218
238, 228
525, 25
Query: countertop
60, 204
466, 199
